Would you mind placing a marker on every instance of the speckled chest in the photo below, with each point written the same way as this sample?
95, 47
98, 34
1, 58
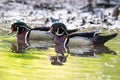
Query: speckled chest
60, 44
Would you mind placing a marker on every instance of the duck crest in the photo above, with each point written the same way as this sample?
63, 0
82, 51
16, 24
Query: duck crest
21, 24
59, 29
19, 27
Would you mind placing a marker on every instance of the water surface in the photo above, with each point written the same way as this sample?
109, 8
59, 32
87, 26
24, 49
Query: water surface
35, 65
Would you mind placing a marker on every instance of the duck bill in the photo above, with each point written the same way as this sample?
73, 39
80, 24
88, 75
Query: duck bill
11, 31
51, 30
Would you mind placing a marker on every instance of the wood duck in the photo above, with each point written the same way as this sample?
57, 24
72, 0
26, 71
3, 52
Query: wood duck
25, 35
67, 43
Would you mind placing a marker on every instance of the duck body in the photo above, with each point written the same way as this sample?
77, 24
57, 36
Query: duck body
78, 45
79, 41
40, 35
40, 39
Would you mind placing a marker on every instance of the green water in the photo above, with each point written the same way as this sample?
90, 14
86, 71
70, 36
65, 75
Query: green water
34, 64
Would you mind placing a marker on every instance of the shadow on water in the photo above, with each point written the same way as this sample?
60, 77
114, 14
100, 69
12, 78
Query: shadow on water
83, 51
92, 51
22, 48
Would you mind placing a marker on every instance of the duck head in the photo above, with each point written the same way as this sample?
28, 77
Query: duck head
58, 29
19, 27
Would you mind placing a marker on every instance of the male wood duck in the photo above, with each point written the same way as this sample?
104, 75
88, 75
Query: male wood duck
25, 34
67, 43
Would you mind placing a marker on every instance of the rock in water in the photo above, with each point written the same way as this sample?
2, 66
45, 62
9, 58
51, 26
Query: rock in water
115, 12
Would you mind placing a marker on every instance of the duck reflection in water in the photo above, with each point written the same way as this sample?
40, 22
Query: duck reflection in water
81, 44
92, 51
18, 48
21, 47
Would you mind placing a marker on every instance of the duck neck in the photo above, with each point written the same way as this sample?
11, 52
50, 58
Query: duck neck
21, 30
22, 38
61, 44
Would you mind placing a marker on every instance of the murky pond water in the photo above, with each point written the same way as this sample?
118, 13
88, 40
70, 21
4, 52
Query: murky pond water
103, 64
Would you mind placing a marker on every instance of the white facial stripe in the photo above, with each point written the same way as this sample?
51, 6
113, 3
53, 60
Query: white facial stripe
26, 38
57, 33
65, 44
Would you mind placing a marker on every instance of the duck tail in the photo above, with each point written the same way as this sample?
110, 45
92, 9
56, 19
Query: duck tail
102, 39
